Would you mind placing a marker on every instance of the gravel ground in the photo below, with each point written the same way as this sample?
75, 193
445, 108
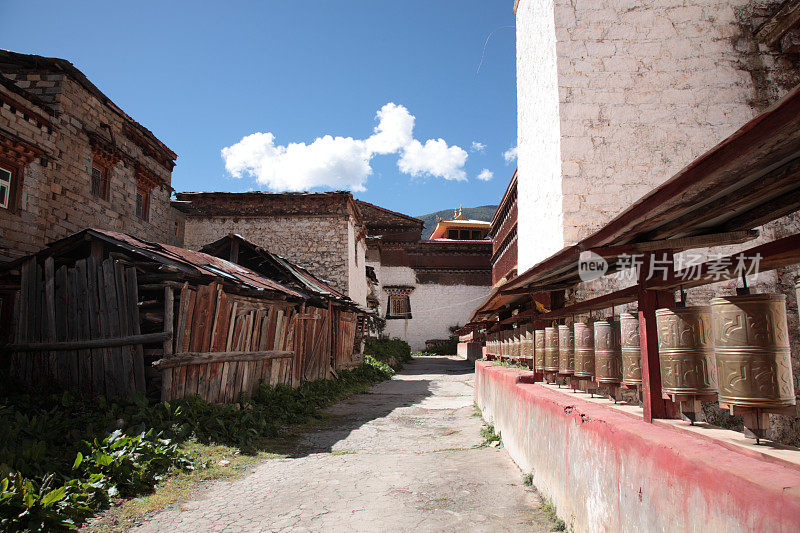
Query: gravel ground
406, 456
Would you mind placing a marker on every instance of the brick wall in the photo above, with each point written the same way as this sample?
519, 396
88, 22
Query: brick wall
56, 199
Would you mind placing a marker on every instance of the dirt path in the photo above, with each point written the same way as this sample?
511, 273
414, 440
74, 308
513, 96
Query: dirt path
404, 457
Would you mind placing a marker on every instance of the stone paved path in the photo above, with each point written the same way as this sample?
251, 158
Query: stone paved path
404, 457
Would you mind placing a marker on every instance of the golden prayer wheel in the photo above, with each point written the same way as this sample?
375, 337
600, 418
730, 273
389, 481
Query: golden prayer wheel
550, 350
527, 343
631, 353
538, 350
516, 345
566, 351
584, 350
685, 350
751, 345
607, 355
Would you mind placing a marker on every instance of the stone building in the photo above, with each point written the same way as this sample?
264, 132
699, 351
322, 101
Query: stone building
70, 159
616, 97
426, 288
321, 231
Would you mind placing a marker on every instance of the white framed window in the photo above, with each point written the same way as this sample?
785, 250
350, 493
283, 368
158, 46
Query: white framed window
5, 187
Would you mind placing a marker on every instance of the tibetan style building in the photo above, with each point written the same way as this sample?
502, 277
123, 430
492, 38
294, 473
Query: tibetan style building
71, 159
426, 288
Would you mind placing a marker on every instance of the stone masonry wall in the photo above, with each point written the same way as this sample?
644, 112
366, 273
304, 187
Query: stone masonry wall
319, 243
56, 198
646, 87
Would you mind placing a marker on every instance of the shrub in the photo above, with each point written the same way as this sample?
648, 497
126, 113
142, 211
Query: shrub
393, 352
86, 452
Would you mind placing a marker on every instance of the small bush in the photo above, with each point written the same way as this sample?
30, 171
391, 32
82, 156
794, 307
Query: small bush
393, 352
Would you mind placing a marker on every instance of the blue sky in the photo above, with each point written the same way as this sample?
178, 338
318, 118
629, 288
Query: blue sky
204, 75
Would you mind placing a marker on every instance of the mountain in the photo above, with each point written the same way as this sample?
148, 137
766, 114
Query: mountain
483, 212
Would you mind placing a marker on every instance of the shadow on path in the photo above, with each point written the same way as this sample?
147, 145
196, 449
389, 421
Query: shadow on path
408, 388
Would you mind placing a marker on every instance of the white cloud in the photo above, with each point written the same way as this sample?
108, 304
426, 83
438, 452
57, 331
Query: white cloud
336, 162
434, 158
510, 154
394, 130
477, 147
485, 175
343, 162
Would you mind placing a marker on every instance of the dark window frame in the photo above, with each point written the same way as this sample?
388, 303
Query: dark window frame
143, 208
398, 297
105, 181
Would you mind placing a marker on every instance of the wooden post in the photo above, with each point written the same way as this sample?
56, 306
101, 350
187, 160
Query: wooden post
234, 251
653, 403
169, 302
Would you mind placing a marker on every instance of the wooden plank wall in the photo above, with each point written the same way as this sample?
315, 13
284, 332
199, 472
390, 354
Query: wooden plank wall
314, 343
210, 321
89, 301
344, 339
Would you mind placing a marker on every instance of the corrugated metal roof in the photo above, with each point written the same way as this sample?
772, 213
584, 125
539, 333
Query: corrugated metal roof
203, 263
306, 280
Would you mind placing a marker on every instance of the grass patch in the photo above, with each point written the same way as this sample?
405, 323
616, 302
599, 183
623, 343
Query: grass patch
527, 480
551, 513
490, 438
509, 364
62, 457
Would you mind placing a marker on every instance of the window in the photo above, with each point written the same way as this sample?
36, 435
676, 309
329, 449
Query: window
399, 306
464, 234
143, 204
100, 187
476, 235
5, 188
452, 234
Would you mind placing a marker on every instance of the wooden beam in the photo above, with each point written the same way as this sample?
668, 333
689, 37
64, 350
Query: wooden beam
741, 198
145, 338
620, 297
776, 254
678, 244
197, 358
781, 22
654, 406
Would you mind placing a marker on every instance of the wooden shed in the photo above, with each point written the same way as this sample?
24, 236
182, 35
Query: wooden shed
333, 319
108, 314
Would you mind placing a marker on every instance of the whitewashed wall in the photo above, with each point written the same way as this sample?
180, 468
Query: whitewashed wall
434, 308
540, 220
356, 262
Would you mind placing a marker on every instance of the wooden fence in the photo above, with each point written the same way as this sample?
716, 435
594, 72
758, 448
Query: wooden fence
226, 344
79, 327
344, 340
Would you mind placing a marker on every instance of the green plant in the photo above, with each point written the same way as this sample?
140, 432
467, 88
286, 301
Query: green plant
90, 451
131, 464
393, 352
527, 480
551, 513
29, 506
490, 438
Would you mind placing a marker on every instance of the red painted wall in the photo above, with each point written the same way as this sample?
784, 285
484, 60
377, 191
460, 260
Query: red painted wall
609, 471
